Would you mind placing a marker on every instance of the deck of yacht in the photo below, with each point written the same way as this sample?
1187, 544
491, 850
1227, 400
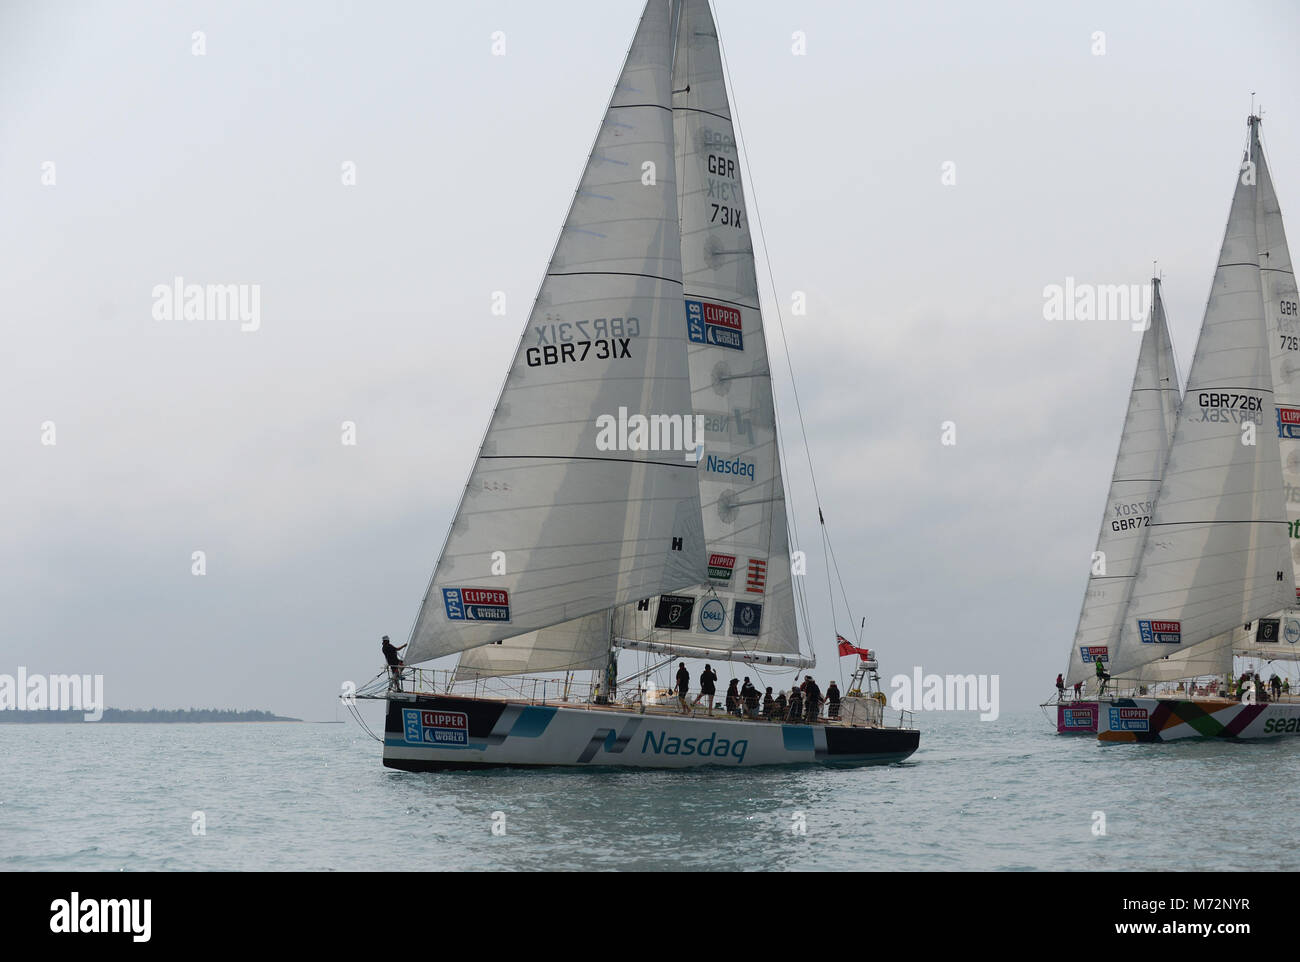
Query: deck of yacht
856, 710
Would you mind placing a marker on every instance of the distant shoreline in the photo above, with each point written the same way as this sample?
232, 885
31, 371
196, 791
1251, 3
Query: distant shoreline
156, 716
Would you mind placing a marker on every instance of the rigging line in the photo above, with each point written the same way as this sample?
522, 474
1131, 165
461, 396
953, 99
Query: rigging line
767, 259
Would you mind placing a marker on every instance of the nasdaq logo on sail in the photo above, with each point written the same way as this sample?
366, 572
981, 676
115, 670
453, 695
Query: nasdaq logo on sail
714, 324
1161, 632
1288, 423
734, 466
476, 604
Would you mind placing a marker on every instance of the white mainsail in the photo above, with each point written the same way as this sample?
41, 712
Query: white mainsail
553, 524
1139, 466
1217, 555
745, 607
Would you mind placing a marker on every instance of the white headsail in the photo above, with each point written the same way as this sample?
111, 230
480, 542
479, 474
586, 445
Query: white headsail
559, 518
1139, 465
745, 607
1217, 555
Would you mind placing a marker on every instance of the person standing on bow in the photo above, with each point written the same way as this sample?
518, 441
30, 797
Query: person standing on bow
395, 663
1102, 677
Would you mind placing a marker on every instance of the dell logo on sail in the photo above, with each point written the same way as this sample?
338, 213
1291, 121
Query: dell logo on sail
713, 615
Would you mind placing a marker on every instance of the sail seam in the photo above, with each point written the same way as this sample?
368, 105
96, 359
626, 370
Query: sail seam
655, 277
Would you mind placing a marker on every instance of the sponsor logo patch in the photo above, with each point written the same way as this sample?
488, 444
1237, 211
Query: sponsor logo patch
714, 324
435, 727
1269, 630
1292, 631
1078, 718
476, 604
748, 618
756, 578
1129, 720
1161, 632
1288, 422
720, 567
736, 466
712, 615
675, 612
1094, 653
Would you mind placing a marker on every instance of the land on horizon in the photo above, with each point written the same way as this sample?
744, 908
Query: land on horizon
155, 715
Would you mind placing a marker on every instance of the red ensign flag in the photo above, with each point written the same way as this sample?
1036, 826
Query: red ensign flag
848, 649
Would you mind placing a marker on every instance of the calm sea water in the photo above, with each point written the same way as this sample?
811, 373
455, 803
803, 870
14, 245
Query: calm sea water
1002, 795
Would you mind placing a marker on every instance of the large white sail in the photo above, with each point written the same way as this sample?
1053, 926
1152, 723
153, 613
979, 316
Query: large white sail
1139, 465
555, 523
746, 603
1278, 636
1282, 312
1217, 555
573, 646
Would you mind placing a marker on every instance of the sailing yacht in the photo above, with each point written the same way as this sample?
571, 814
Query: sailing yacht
1215, 573
1153, 405
628, 493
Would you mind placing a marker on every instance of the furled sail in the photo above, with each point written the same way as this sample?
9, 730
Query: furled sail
1217, 555
562, 516
1139, 464
745, 606
573, 646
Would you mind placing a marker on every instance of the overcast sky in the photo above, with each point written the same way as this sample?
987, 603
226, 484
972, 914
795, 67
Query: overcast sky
925, 302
